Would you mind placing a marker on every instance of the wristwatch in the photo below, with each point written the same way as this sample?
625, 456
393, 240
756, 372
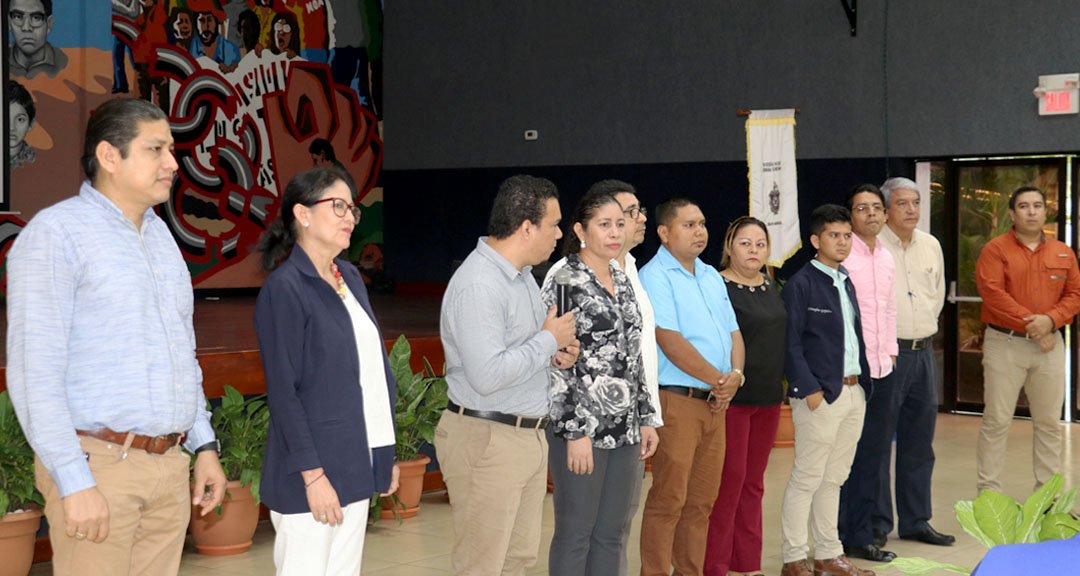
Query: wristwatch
211, 445
741, 375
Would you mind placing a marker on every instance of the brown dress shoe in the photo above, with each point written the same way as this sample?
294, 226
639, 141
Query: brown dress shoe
839, 566
797, 568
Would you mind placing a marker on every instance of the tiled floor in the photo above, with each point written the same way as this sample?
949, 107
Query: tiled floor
421, 546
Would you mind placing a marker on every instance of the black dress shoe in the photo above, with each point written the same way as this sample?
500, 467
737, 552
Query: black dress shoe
931, 536
880, 538
869, 552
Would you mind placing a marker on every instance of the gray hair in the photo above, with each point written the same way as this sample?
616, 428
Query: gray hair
898, 183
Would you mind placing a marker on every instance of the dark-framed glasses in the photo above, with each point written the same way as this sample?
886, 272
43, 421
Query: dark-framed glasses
18, 18
634, 212
341, 208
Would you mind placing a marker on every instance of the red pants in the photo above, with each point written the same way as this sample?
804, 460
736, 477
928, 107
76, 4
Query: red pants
734, 541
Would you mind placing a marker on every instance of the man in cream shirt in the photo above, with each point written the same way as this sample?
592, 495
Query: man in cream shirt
920, 295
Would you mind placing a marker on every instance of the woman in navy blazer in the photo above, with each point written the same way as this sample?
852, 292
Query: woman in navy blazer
329, 387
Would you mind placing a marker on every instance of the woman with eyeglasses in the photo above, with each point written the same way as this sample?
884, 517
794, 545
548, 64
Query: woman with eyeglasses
602, 421
734, 540
330, 445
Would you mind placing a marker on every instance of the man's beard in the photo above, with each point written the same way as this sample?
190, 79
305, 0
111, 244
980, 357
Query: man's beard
208, 38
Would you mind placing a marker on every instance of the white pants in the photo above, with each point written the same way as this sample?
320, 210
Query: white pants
825, 441
304, 547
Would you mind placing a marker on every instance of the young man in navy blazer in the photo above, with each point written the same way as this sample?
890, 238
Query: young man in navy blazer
828, 383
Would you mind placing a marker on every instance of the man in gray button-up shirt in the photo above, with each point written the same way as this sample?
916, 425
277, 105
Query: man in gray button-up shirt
499, 343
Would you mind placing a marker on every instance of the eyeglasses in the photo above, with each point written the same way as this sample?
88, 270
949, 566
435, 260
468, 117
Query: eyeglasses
871, 208
341, 208
18, 18
633, 212
282, 27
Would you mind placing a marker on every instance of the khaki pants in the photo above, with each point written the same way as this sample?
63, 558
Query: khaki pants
686, 472
825, 441
496, 476
149, 501
1009, 364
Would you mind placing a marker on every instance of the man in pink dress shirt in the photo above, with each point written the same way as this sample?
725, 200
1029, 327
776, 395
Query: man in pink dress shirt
871, 269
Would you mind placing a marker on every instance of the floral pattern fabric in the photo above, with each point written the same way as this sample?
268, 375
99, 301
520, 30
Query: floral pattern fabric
603, 395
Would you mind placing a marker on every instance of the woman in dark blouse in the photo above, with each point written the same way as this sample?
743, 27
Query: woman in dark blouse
602, 423
734, 544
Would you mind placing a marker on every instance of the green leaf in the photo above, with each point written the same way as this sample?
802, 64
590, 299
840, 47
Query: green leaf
922, 566
1034, 507
1059, 527
399, 360
965, 514
1064, 503
998, 516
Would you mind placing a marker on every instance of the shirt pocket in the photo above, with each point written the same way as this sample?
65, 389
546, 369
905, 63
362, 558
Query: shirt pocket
1057, 269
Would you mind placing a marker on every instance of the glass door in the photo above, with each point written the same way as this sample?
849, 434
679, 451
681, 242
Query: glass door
977, 210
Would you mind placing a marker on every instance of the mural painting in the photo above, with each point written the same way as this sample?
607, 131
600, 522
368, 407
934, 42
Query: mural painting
256, 91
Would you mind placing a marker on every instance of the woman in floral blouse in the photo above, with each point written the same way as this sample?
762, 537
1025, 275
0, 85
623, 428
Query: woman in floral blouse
602, 423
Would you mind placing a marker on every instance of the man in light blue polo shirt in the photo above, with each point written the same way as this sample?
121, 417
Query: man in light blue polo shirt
701, 358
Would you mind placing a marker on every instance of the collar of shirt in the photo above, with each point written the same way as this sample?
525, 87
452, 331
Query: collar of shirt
889, 236
1020, 243
670, 262
504, 265
95, 197
838, 275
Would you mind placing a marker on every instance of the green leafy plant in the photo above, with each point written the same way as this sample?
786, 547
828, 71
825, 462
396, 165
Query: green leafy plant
16, 462
241, 426
995, 519
378, 503
421, 399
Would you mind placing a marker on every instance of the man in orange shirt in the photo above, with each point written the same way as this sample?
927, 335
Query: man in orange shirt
1030, 288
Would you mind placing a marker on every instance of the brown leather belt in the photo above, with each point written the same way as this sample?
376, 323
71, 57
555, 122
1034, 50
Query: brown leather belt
851, 380
151, 444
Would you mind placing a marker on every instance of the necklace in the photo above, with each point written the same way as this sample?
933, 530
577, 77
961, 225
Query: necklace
340, 281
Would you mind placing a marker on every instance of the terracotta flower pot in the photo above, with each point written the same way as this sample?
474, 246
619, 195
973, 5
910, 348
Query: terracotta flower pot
785, 431
17, 542
231, 531
411, 486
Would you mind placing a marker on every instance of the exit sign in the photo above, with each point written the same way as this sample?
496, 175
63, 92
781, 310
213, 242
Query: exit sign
1057, 94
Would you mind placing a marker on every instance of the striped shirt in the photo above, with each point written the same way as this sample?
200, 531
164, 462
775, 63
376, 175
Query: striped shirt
100, 333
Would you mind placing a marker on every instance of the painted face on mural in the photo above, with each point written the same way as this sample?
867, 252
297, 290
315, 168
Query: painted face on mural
208, 28
19, 123
29, 26
183, 26
282, 35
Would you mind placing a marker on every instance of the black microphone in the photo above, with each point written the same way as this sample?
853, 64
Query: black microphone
562, 285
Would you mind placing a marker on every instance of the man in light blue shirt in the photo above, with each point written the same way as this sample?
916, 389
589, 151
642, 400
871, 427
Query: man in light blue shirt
101, 358
701, 358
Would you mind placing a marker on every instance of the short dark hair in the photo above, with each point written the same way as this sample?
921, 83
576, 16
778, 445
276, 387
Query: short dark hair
247, 24
586, 211
612, 187
861, 188
17, 94
322, 146
306, 188
667, 209
520, 198
116, 122
827, 214
1024, 190
46, 6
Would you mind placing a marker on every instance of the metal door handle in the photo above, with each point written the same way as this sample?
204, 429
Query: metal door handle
953, 298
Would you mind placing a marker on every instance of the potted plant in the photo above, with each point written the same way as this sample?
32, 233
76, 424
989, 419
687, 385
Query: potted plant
994, 519
421, 399
241, 426
20, 503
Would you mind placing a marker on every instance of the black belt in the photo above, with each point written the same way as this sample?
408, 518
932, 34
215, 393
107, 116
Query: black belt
508, 419
1008, 332
699, 393
916, 345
